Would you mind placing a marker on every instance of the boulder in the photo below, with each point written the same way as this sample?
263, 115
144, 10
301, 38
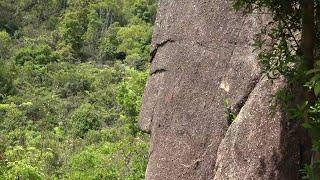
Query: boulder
203, 68
260, 143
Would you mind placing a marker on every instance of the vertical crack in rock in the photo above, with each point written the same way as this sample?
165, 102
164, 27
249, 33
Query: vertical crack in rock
157, 46
236, 108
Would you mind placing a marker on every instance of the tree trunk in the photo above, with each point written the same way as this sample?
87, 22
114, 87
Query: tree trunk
317, 20
308, 39
308, 44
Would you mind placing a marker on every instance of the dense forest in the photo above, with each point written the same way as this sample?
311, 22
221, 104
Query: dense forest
72, 73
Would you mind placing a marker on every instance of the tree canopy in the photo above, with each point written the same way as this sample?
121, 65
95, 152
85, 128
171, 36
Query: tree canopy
72, 73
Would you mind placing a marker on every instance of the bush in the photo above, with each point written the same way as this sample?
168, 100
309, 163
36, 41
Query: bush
5, 41
38, 54
7, 77
84, 119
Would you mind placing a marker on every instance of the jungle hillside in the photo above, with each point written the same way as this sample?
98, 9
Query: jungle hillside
72, 73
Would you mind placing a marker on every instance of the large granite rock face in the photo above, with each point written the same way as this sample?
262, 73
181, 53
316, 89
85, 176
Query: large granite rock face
202, 65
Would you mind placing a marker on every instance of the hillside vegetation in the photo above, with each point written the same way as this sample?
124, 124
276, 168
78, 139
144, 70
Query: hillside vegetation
72, 73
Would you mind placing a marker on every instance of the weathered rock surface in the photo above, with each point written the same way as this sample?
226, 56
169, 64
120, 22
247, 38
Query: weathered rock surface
202, 58
259, 144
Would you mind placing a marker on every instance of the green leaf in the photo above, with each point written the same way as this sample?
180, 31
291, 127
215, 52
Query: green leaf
313, 71
307, 126
317, 89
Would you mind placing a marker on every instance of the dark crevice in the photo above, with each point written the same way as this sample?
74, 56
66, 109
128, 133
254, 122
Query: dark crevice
157, 71
159, 45
236, 108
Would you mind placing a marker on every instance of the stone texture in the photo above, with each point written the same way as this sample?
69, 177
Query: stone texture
259, 144
201, 59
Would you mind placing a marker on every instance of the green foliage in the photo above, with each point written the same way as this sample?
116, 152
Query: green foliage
6, 79
22, 163
72, 28
145, 10
5, 41
308, 173
38, 54
286, 96
101, 16
109, 43
97, 162
86, 118
134, 39
231, 115
72, 74
129, 94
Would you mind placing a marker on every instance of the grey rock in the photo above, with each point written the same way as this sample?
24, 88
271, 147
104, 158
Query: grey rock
259, 144
201, 58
